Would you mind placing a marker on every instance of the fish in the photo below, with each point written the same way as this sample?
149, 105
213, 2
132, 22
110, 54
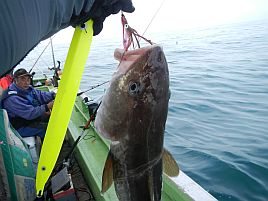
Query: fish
132, 115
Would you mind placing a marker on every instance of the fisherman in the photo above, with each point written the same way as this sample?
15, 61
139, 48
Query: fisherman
28, 108
25, 24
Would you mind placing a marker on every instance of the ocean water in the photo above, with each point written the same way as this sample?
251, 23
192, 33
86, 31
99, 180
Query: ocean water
217, 126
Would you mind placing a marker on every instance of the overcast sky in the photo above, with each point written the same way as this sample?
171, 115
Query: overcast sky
184, 14
181, 14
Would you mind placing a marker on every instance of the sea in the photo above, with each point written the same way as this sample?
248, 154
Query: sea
217, 126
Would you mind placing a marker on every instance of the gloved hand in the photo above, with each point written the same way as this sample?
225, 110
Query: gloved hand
100, 10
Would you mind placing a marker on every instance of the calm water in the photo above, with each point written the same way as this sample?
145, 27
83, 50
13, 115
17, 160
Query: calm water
217, 127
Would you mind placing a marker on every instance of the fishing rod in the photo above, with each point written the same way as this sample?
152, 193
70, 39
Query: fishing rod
93, 87
52, 51
40, 56
67, 158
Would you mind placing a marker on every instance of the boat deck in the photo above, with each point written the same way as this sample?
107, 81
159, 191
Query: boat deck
82, 190
91, 153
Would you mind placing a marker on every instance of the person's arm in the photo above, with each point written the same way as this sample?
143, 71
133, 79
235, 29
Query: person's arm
18, 106
25, 23
45, 96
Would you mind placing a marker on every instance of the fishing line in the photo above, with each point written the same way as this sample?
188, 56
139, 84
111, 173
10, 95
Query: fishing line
149, 24
157, 11
141, 36
137, 39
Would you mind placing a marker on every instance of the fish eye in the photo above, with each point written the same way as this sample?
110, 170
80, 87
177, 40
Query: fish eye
134, 88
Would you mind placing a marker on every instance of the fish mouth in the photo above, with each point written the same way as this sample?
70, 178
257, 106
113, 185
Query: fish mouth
127, 58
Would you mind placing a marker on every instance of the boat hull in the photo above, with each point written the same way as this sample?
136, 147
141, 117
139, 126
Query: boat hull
91, 153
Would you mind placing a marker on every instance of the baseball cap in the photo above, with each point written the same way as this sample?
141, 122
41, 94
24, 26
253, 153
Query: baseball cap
21, 72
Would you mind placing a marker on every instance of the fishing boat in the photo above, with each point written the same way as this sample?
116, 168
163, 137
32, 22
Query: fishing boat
73, 154
90, 154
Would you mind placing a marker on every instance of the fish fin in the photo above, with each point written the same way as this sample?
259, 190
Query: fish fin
170, 167
107, 175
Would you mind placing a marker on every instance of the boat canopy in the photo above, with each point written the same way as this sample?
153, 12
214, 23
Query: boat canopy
24, 23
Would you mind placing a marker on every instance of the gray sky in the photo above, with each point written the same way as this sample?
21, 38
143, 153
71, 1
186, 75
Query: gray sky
182, 14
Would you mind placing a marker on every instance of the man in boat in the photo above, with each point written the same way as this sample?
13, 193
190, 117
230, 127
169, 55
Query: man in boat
28, 108
25, 23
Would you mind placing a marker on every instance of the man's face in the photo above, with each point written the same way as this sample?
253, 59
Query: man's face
23, 82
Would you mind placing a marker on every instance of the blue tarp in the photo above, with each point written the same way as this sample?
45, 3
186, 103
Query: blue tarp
24, 23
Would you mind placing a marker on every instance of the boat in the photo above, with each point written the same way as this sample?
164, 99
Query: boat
21, 177
90, 155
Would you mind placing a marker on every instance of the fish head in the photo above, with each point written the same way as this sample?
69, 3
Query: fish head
138, 91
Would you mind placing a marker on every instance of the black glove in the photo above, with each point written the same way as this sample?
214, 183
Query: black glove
100, 10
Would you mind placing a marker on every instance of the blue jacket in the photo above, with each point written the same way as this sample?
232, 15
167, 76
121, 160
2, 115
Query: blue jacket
27, 104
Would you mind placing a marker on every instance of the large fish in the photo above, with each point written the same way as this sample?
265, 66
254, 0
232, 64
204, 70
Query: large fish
132, 115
